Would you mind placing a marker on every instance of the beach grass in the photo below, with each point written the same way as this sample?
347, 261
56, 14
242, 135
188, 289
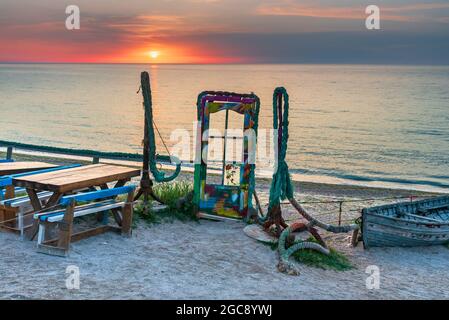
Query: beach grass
334, 261
170, 193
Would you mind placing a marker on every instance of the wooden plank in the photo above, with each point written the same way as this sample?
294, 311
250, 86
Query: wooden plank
98, 173
95, 195
87, 234
53, 251
10, 192
10, 229
77, 178
42, 178
9, 168
74, 172
6, 215
54, 174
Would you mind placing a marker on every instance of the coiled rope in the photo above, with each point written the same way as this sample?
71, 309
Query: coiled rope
285, 265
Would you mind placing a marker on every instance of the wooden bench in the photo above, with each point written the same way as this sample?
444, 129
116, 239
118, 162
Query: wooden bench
17, 207
93, 202
2, 190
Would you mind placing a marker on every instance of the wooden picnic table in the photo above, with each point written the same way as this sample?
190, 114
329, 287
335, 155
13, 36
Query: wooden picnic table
9, 168
70, 181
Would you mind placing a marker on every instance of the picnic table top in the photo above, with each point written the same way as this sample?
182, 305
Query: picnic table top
76, 178
7, 168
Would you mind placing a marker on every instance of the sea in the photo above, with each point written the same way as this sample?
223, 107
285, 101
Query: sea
370, 125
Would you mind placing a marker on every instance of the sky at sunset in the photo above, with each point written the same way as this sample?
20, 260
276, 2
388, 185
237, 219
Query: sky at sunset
225, 31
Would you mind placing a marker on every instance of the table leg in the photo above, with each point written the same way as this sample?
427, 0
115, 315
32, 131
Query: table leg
37, 206
34, 199
35, 202
54, 199
121, 183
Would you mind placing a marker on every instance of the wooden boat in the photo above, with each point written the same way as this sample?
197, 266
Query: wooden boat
407, 224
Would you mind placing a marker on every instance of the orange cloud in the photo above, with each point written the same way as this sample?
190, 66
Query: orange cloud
194, 33
291, 8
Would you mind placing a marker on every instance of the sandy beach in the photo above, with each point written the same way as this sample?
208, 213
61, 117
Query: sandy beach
216, 260
200, 106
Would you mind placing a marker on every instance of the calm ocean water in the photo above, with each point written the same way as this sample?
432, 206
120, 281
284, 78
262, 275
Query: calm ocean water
371, 125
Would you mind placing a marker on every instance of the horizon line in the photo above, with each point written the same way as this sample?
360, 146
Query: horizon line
228, 63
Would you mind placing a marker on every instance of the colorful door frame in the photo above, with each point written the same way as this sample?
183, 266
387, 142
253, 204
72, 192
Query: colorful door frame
222, 200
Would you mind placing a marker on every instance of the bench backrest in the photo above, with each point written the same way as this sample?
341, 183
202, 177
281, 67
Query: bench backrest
96, 195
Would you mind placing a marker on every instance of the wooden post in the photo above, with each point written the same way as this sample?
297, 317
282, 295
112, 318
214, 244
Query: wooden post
127, 218
9, 153
339, 213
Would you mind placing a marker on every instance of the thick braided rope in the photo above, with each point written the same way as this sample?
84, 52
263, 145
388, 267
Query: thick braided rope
159, 176
284, 253
281, 184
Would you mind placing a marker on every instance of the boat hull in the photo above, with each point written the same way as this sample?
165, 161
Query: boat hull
383, 227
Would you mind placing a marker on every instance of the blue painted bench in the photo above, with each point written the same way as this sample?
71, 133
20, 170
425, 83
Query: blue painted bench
79, 205
2, 190
14, 209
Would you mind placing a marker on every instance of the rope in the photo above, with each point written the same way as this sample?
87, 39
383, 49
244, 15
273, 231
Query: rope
162, 139
281, 184
285, 265
322, 225
359, 200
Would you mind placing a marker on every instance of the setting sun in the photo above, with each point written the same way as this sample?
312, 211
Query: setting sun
154, 54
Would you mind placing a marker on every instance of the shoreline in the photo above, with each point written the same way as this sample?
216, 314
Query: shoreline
331, 189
